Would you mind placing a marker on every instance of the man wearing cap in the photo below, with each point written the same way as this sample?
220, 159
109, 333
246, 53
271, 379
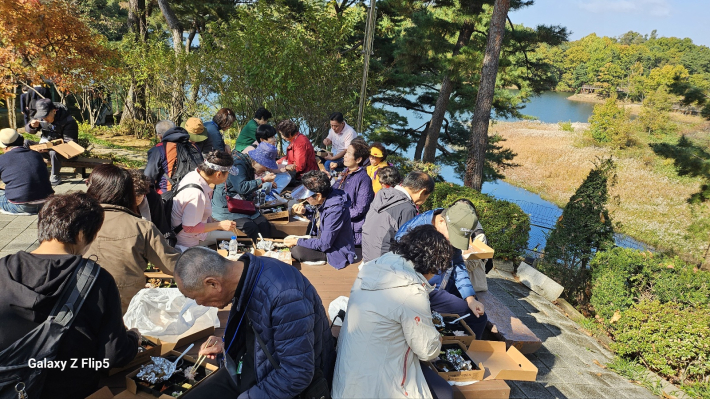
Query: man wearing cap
197, 132
25, 176
55, 122
458, 223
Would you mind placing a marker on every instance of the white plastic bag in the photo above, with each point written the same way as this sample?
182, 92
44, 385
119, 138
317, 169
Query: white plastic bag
338, 304
166, 313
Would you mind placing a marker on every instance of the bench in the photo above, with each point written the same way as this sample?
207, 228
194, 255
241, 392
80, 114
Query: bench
82, 163
505, 326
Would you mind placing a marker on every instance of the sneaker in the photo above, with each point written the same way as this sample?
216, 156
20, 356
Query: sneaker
55, 180
4, 212
321, 262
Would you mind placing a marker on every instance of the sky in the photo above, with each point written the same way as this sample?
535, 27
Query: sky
671, 18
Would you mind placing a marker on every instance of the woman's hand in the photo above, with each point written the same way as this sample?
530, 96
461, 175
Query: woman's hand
268, 178
291, 167
299, 209
333, 165
290, 241
212, 347
227, 225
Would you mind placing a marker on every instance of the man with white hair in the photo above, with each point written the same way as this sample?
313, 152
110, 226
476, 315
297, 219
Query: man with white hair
277, 342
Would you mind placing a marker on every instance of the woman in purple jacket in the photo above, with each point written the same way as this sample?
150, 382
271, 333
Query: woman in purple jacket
330, 224
357, 185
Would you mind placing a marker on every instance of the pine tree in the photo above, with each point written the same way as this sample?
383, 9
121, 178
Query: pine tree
583, 229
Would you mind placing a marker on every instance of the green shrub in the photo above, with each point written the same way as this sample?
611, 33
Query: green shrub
620, 276
507, 227
668, 339
566, 126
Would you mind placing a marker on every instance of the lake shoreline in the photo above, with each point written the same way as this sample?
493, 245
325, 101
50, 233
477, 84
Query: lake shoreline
649, 199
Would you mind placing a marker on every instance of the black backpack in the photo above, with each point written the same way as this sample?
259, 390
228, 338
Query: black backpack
188, 158
168, 196
16, 377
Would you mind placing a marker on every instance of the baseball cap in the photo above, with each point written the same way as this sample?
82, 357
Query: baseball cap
7, 137
195, 128
44, 107
461, 220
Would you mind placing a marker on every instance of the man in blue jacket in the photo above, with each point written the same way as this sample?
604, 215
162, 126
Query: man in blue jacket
458, 223
272, 302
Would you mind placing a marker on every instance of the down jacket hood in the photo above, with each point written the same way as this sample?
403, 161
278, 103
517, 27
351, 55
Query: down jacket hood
176, 135
390, 197
390, 271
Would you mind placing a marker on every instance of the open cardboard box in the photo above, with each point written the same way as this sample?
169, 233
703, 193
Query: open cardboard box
67, 150
464, 339
283, 256
478, 250
495, 363
501, 364
243, 240
141, 357
276, 215
458, 376
132, 386
184, 340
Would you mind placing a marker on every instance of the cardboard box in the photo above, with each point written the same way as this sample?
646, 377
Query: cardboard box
67, 150
492, 389
460, 376
184, 340
276, 215
493, 361
103, 393
501, 364
478, 250
465, 339
133, 387
141, 357
283, 256
322, 153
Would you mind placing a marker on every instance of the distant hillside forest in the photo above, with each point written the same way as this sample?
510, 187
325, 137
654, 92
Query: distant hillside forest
633, 66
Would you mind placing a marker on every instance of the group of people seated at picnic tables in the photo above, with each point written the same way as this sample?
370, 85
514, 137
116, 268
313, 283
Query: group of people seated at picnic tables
360, 211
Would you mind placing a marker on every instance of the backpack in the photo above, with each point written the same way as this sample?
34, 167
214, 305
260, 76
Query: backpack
187, 159
168, 196
17, 379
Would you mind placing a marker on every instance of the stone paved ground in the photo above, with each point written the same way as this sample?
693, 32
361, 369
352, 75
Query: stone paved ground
19, 233
567, 362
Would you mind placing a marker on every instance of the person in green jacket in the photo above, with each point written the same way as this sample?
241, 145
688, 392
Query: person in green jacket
248, 134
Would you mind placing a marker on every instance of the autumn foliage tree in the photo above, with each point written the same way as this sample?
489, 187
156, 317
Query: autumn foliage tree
47, 41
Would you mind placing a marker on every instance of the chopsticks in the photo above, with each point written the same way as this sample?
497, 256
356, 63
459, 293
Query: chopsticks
202, 358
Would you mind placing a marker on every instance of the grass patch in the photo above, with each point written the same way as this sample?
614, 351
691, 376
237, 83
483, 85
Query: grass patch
566, 126
119, 160
636, 373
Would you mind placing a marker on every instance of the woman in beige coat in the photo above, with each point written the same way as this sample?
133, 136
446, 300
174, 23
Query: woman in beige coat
126, 242
388, 327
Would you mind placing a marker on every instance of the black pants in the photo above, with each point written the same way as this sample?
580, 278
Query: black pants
252, 227
440, 389
219, 385
303, 254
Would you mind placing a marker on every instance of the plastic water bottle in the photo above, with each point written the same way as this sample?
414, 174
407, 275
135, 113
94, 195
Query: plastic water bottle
233, 246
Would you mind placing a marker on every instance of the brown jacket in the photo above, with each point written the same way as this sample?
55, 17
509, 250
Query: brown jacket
124, 246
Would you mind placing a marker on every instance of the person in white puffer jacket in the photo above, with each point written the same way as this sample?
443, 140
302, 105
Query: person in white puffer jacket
388, 327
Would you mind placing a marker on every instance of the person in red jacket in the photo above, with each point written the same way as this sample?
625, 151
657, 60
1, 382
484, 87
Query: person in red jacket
300, 153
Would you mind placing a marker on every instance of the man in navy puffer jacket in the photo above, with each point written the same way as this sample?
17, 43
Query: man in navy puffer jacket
284, 310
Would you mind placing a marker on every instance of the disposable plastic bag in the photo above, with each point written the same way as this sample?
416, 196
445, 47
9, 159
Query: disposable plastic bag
338, 304
166, 313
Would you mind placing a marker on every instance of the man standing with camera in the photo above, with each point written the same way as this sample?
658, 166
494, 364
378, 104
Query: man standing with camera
55, 122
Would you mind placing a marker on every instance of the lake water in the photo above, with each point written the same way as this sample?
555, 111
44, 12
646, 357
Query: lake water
549, 107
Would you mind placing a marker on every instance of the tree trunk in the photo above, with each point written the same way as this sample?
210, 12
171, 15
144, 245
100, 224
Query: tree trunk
11, 110
420, 143
135, 106
484, 98
442, 102
176, 106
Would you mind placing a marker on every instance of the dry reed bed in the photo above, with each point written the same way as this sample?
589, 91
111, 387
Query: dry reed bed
651, 206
